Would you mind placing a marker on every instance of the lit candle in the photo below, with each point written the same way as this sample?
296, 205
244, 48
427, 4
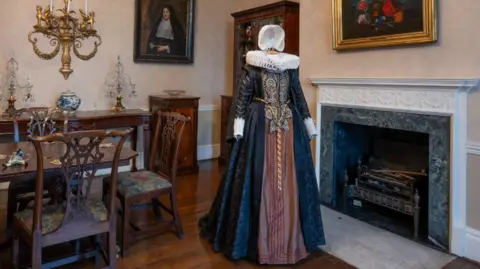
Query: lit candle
86, 6
51, 5
68, 7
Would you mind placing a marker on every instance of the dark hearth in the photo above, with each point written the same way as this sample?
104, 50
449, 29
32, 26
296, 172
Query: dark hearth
390, 169
391, 172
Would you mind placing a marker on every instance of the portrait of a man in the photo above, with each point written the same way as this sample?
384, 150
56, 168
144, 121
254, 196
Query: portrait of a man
164, 31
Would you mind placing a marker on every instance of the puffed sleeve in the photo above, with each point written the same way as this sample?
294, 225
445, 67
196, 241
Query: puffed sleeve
301, 104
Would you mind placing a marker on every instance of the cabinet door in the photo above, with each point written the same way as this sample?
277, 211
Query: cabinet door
269, 20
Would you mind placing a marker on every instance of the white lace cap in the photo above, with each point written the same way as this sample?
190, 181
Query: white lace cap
271, 37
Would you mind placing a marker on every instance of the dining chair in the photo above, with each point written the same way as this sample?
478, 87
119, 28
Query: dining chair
141, 189
82, 215
21, 192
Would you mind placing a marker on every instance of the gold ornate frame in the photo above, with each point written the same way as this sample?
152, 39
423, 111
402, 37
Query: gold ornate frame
428, 35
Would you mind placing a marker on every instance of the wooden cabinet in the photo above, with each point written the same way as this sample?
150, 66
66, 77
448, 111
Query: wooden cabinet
247, 25
249, 22
188, 106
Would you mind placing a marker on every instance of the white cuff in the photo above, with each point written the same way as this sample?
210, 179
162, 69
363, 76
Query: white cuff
238, 126
311, 130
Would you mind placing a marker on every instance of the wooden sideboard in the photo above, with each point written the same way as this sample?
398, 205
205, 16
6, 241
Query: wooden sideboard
101, 119
188, 106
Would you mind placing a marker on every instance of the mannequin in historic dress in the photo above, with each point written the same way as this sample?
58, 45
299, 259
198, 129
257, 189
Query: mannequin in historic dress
268, 207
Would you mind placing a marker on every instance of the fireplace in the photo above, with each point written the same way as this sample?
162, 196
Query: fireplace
431, 112
382, 166
381, 177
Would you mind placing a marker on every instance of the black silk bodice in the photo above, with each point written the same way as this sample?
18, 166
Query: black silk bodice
280, 91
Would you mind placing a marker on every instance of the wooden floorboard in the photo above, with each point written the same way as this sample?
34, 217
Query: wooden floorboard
462, 264
196, 193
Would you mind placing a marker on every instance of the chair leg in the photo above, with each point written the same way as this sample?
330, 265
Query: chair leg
112, 250
15, 251
36, 253
176, 215
156, 210
125, 229
11, 208
98, 254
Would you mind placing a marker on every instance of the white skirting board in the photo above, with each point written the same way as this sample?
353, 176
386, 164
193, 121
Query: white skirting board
207, 152
472, 244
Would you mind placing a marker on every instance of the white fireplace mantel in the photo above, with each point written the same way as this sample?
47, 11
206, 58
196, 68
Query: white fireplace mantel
417, 95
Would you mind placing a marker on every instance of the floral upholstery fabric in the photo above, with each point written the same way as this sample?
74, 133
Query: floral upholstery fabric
53, 215
135, 183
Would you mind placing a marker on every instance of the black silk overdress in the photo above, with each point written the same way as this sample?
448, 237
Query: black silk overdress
232, 224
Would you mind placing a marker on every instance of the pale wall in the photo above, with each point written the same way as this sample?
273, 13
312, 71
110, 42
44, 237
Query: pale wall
206, 78
455, 55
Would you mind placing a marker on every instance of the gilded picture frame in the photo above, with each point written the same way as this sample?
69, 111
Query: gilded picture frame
164, 31
361, 24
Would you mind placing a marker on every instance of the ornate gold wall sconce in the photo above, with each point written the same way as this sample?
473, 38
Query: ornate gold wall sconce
65, 32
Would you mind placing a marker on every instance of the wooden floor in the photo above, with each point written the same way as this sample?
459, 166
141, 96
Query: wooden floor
166, 251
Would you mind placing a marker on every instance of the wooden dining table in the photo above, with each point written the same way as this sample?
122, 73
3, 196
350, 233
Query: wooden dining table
51, 152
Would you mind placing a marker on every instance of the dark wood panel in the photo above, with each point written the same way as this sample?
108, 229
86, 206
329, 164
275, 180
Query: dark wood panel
188, 106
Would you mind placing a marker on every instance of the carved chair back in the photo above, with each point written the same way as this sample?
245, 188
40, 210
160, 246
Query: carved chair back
168, 136
40, 124
82, 153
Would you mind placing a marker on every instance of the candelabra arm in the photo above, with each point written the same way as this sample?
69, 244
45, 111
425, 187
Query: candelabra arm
78, 44
53, 41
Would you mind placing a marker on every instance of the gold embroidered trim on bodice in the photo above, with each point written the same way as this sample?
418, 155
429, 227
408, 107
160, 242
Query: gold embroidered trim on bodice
277, 110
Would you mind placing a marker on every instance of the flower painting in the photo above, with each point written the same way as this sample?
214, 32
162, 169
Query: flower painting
372, 23
164, 31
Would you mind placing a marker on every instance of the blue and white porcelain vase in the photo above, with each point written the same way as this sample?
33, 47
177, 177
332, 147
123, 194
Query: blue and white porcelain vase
68, 102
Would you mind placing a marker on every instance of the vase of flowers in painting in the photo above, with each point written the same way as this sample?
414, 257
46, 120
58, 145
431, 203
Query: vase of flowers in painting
68, 102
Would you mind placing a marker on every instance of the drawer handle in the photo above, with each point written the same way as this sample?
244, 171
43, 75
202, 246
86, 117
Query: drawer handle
183, 160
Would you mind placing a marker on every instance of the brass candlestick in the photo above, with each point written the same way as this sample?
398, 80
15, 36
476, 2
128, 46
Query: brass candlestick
65, 31
118, 83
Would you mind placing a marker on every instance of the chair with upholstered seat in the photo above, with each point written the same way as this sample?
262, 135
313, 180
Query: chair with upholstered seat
82, 215
21, 192
140, 190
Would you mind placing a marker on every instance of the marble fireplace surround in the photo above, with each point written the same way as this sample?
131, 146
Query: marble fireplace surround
440, 97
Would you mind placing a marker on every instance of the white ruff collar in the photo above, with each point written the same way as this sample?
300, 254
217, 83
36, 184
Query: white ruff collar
274, 62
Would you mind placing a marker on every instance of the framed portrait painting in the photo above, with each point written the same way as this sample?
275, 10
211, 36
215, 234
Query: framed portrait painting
377, 23
164, 31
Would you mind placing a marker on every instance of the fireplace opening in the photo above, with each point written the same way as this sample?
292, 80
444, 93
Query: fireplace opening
381, 177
